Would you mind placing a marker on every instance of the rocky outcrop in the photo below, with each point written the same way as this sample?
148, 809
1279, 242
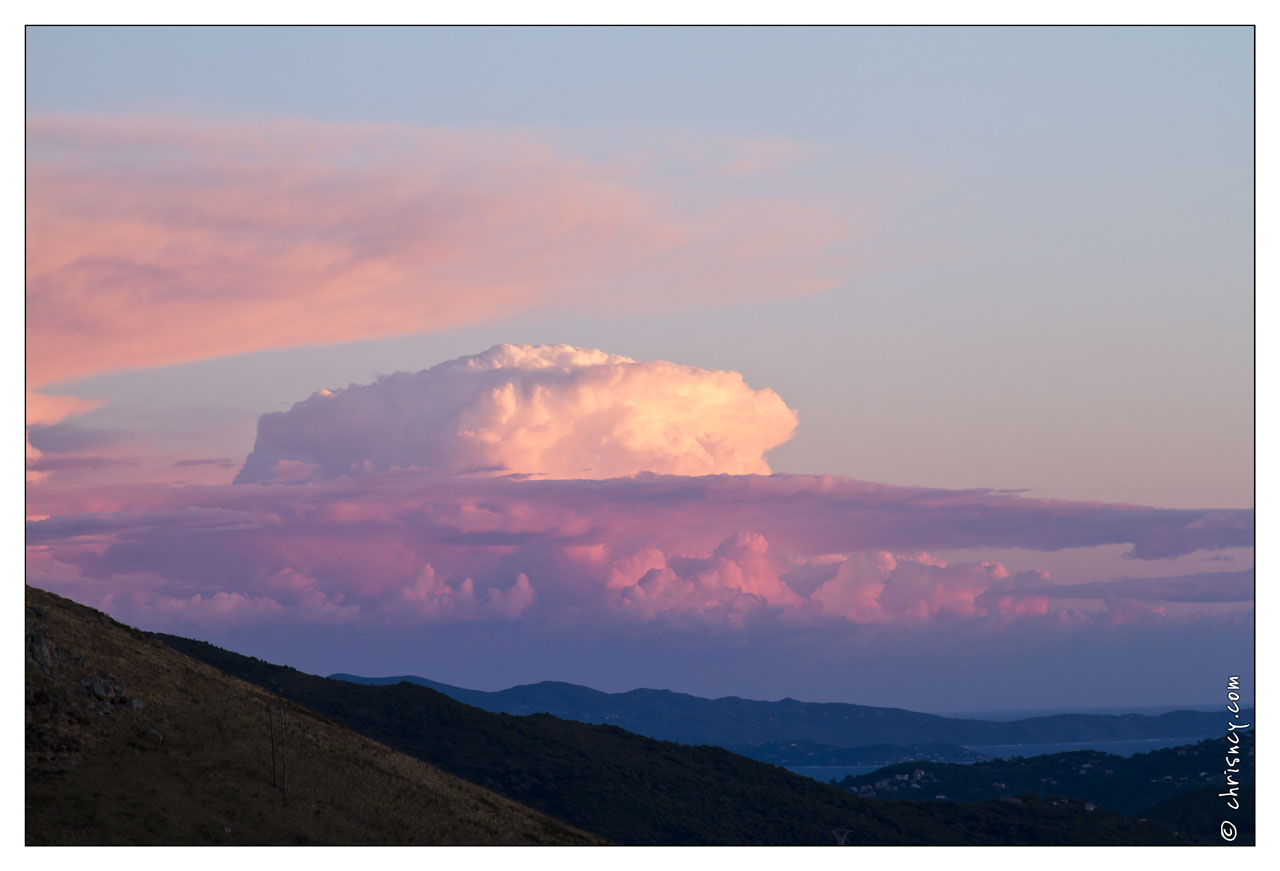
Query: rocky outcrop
63, 695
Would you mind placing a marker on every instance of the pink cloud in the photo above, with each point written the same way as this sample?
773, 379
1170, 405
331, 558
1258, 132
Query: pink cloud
73, 462
431, 597
1120, 612
46, 409
735, 581
154, 241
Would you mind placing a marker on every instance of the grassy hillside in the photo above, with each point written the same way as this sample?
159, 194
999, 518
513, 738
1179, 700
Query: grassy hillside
638, 790
130, 742
732, 721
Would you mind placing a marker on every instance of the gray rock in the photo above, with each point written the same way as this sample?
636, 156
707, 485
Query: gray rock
40, 650
136, 704
153, 736
102, 689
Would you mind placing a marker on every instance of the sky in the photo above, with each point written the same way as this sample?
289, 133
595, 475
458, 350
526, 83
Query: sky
906, 366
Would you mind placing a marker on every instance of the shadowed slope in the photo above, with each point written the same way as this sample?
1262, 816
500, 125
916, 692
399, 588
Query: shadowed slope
130, 742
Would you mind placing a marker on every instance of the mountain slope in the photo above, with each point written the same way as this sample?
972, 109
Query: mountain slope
733, 721
130, 742
638, 790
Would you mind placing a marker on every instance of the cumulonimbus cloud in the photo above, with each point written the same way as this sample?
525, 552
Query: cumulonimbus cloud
548, 410
153, 241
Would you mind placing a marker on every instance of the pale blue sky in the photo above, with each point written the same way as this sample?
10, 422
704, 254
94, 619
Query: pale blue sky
1065, 305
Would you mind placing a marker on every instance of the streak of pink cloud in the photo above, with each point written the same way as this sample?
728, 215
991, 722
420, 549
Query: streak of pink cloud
153, 242
46, 409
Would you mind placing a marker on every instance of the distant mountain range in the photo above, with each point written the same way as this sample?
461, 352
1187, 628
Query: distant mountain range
744, 724
637, 790
806, 753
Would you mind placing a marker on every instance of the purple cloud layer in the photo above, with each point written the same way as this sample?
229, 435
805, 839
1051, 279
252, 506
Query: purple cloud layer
1200, 587
708, 551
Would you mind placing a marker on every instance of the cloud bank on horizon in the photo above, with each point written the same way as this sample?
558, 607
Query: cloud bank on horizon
545, 410
363, 507
717, 551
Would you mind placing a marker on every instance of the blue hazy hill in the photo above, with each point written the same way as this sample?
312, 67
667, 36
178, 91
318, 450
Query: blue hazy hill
740, 723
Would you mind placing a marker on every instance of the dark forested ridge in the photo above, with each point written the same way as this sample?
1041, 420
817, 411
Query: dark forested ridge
1179, 785
637, 790
1198, 814
1126, 784
733, 721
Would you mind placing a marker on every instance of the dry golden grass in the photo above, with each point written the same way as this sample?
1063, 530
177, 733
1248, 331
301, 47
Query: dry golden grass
95, 776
